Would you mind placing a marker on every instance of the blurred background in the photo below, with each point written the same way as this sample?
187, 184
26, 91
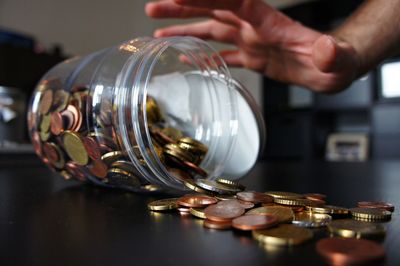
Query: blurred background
356, 125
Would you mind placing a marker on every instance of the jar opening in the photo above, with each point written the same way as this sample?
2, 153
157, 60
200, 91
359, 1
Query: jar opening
192, 86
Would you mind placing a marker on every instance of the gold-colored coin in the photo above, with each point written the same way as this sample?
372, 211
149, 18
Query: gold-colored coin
120, 177
74, 147
111, 157
225, 197
61, 160
60, 100
354, 229
153, 111
178, 153
190, 183
283, 235
44, 136
371, 214
328, 209
214, 186
192, 145
151, 188
309, 219
284, 195
45, 123
172, 132
284, 214
293, 202
198, 212
231, 183
163, 204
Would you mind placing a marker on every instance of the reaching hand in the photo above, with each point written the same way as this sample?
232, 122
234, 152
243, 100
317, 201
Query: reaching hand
267, 41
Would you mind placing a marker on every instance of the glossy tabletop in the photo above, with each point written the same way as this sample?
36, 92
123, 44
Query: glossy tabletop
45, 220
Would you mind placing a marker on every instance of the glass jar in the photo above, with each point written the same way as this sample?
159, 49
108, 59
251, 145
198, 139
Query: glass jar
144, 115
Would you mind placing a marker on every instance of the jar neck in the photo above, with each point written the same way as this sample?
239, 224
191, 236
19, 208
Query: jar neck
133, 82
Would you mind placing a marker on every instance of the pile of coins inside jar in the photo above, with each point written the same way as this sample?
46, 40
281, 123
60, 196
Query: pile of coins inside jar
277, 218
80, 140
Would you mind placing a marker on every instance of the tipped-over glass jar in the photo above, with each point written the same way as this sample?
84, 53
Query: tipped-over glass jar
146, 114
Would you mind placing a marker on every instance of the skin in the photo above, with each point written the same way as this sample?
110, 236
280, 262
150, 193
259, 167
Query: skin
271, 43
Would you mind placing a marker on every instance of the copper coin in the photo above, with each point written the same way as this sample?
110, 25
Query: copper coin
223, 212
75, 170
98, 168
254, 197
376, 204
245, 204
45, 102
312, 196
77, 117
196, 201
50, 152
316, 202
56, 126
349, 251
254, 222
197, 169
179, 174
183, 211
217, 225
92, 148
68, 119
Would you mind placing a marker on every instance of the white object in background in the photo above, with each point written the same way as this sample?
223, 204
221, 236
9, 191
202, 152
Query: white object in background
347, 147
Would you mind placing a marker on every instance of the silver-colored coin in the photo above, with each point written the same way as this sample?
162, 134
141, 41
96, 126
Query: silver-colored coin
309, 219
216, 187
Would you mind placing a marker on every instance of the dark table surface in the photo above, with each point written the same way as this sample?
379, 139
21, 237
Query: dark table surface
45, 220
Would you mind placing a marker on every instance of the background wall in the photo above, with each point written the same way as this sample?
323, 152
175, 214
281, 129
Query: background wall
82, 26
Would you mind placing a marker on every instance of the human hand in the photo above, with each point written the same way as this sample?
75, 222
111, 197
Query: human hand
267, 41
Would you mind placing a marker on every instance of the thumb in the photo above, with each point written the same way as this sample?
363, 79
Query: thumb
331, 55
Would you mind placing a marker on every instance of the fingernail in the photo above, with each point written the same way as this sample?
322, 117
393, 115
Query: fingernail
157, 33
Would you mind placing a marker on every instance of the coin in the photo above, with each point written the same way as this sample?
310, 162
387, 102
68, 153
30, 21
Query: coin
194, 168
74, 147
223, 212
92, 148
192, 145
219, 225
328, 209
163, 204
371, 214
349, 251
196, 201
231, 183
227, 197
184, 211
98, 168
198, 212
45, 123
45, 102
355, 229
254, 197
283, 235
283, 214
179, 174
284, 195
309, 219
172, 133
216, 187
293, 202
244, 204
314, 196
253, 222
376, 204
60, 100
56, 126
112, 156
190, 183
119, 177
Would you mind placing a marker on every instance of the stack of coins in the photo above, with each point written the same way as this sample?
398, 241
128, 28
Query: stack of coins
79, 139
278, 218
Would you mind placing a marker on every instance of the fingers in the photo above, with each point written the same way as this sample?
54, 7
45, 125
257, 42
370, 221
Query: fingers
169, 9
330, 55
206, 30
254, 12
232, 58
